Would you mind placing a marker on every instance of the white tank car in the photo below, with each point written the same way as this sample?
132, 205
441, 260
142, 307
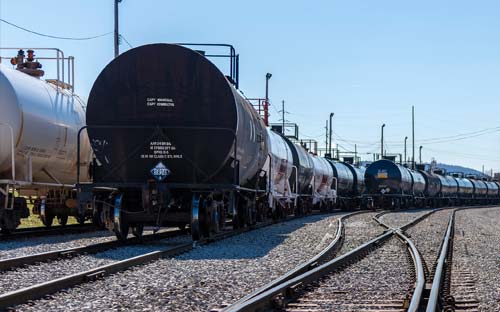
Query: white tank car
279, 167
39, 122
322, 181
44, 121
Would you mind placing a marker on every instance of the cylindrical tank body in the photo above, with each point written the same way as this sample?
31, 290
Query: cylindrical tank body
386, 177
323, 177
281, 162
498, 185
418, 183
492, 188
449, 185
480, 188
345, 178
432, 184
465, 187
44, 121
163, 103
304, 164
358, 174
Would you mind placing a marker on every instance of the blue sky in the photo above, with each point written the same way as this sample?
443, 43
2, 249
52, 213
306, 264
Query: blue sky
366, 61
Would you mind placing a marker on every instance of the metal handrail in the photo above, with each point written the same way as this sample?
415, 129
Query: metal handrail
60, 58
234, 59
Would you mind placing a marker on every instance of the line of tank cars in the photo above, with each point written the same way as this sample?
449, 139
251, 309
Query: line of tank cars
391, 185
175, 143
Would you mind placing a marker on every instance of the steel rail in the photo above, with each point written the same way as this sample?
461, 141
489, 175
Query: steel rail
12, 263
432, 304
419, 272
318, 259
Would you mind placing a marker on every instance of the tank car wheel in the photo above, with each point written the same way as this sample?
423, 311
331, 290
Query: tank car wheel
196, 215
241, 214
251, 213
62, 220
300, 211
47, 220
396, 204
97, 220
137, 230
121, 224
122, 233
80, 219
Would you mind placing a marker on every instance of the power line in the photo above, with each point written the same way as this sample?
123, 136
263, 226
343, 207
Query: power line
126, 41
51, 36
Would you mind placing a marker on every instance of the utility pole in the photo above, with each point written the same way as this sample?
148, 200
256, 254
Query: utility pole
283, 114
413, 136
330, 136
382, 142
266, 104
406, 138
355, 153
117, 34
420, 154
326, 137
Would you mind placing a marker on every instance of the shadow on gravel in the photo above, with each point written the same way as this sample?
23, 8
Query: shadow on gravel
48, 240
250, 245
253, 244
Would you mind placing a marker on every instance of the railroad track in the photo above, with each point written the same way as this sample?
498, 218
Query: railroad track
323, 287
43, 289
464, 280
302, 293
346, 260
45, 231
324, 255
17, 262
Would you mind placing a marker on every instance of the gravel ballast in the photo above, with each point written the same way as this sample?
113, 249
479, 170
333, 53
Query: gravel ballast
476, 259
202, 279
34, 245
397, 219
46, 271
382, 277
359, 229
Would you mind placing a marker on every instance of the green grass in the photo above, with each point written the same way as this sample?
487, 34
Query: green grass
34, 220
